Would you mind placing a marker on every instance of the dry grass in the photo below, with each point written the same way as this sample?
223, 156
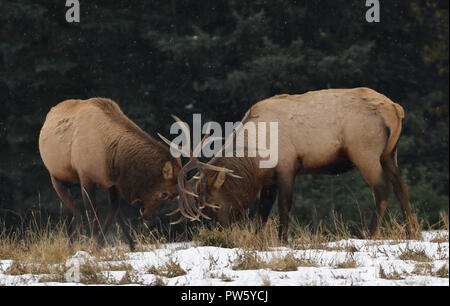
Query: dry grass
414, 255
248, 235
244, 235
170, 269
289, 263
130, 277
394, 275
348, 263
443, 223
44, 250
159, 282
21, 268
423, 269
442, 272
394, 228
90, 273
146, 239
266, 281
44, 245
250, 260
225, 278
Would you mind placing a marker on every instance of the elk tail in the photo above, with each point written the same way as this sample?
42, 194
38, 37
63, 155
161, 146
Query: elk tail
395, 129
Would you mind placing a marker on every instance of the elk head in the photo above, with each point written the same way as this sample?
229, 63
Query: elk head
161, 192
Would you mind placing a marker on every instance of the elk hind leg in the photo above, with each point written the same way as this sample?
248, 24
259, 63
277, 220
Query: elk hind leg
374, 175
88, 195
400, 190
64, 194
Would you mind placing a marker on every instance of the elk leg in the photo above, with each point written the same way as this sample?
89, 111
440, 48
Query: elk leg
267, 198
125, 230
285, 183
374, 175
400, 190
112, 210
88, 194
64, 194
382, 192
115, 211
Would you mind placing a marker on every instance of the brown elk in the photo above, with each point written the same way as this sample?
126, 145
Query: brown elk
93, 144
319, 132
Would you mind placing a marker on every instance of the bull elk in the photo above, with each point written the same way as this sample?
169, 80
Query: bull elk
319, 132
93, 144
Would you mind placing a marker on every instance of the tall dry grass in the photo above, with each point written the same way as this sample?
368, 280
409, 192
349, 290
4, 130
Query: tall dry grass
47, 243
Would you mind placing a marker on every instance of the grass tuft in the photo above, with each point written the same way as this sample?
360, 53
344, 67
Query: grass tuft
170, 269
414, 255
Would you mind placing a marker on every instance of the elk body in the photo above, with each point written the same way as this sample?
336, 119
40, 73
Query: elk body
319, 132
91, 143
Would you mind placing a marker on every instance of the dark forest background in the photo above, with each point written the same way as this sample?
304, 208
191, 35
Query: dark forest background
218, 58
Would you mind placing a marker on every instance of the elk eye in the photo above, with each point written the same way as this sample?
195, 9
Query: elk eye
164, 196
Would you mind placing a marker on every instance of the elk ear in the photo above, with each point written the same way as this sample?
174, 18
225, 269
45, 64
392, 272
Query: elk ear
167, 170
220, 179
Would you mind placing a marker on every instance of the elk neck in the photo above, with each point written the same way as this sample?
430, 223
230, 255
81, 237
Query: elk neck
135, 161
244, 191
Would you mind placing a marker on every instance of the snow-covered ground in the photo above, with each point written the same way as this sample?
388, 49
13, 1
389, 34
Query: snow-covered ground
346, 262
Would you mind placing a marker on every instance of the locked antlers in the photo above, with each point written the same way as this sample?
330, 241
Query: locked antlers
190, 204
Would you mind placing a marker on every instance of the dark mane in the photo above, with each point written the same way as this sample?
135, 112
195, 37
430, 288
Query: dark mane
240, 191
137, 164
134, 156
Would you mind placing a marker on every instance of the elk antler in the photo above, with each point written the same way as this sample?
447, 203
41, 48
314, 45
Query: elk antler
186, 206
210, 165
187, 203
202, 167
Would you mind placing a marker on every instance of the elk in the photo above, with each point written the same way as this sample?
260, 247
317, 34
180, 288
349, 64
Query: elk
319, 132
93, 144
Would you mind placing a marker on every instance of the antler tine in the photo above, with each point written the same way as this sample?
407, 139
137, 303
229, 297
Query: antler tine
172, 145
215, 168
181, 177
234, 175
182, 209
173, 212
198, 209
189, 209
201, 214
206, 204
183, 213
184, 190
178, 221
186, 208
203, 188
185, 131
199, 146
230, 138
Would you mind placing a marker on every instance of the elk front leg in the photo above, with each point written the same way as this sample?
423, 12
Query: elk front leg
115, 211
285, 183
266, 200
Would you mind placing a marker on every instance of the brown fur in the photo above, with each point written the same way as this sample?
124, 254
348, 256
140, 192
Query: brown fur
327, 131
93, 144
